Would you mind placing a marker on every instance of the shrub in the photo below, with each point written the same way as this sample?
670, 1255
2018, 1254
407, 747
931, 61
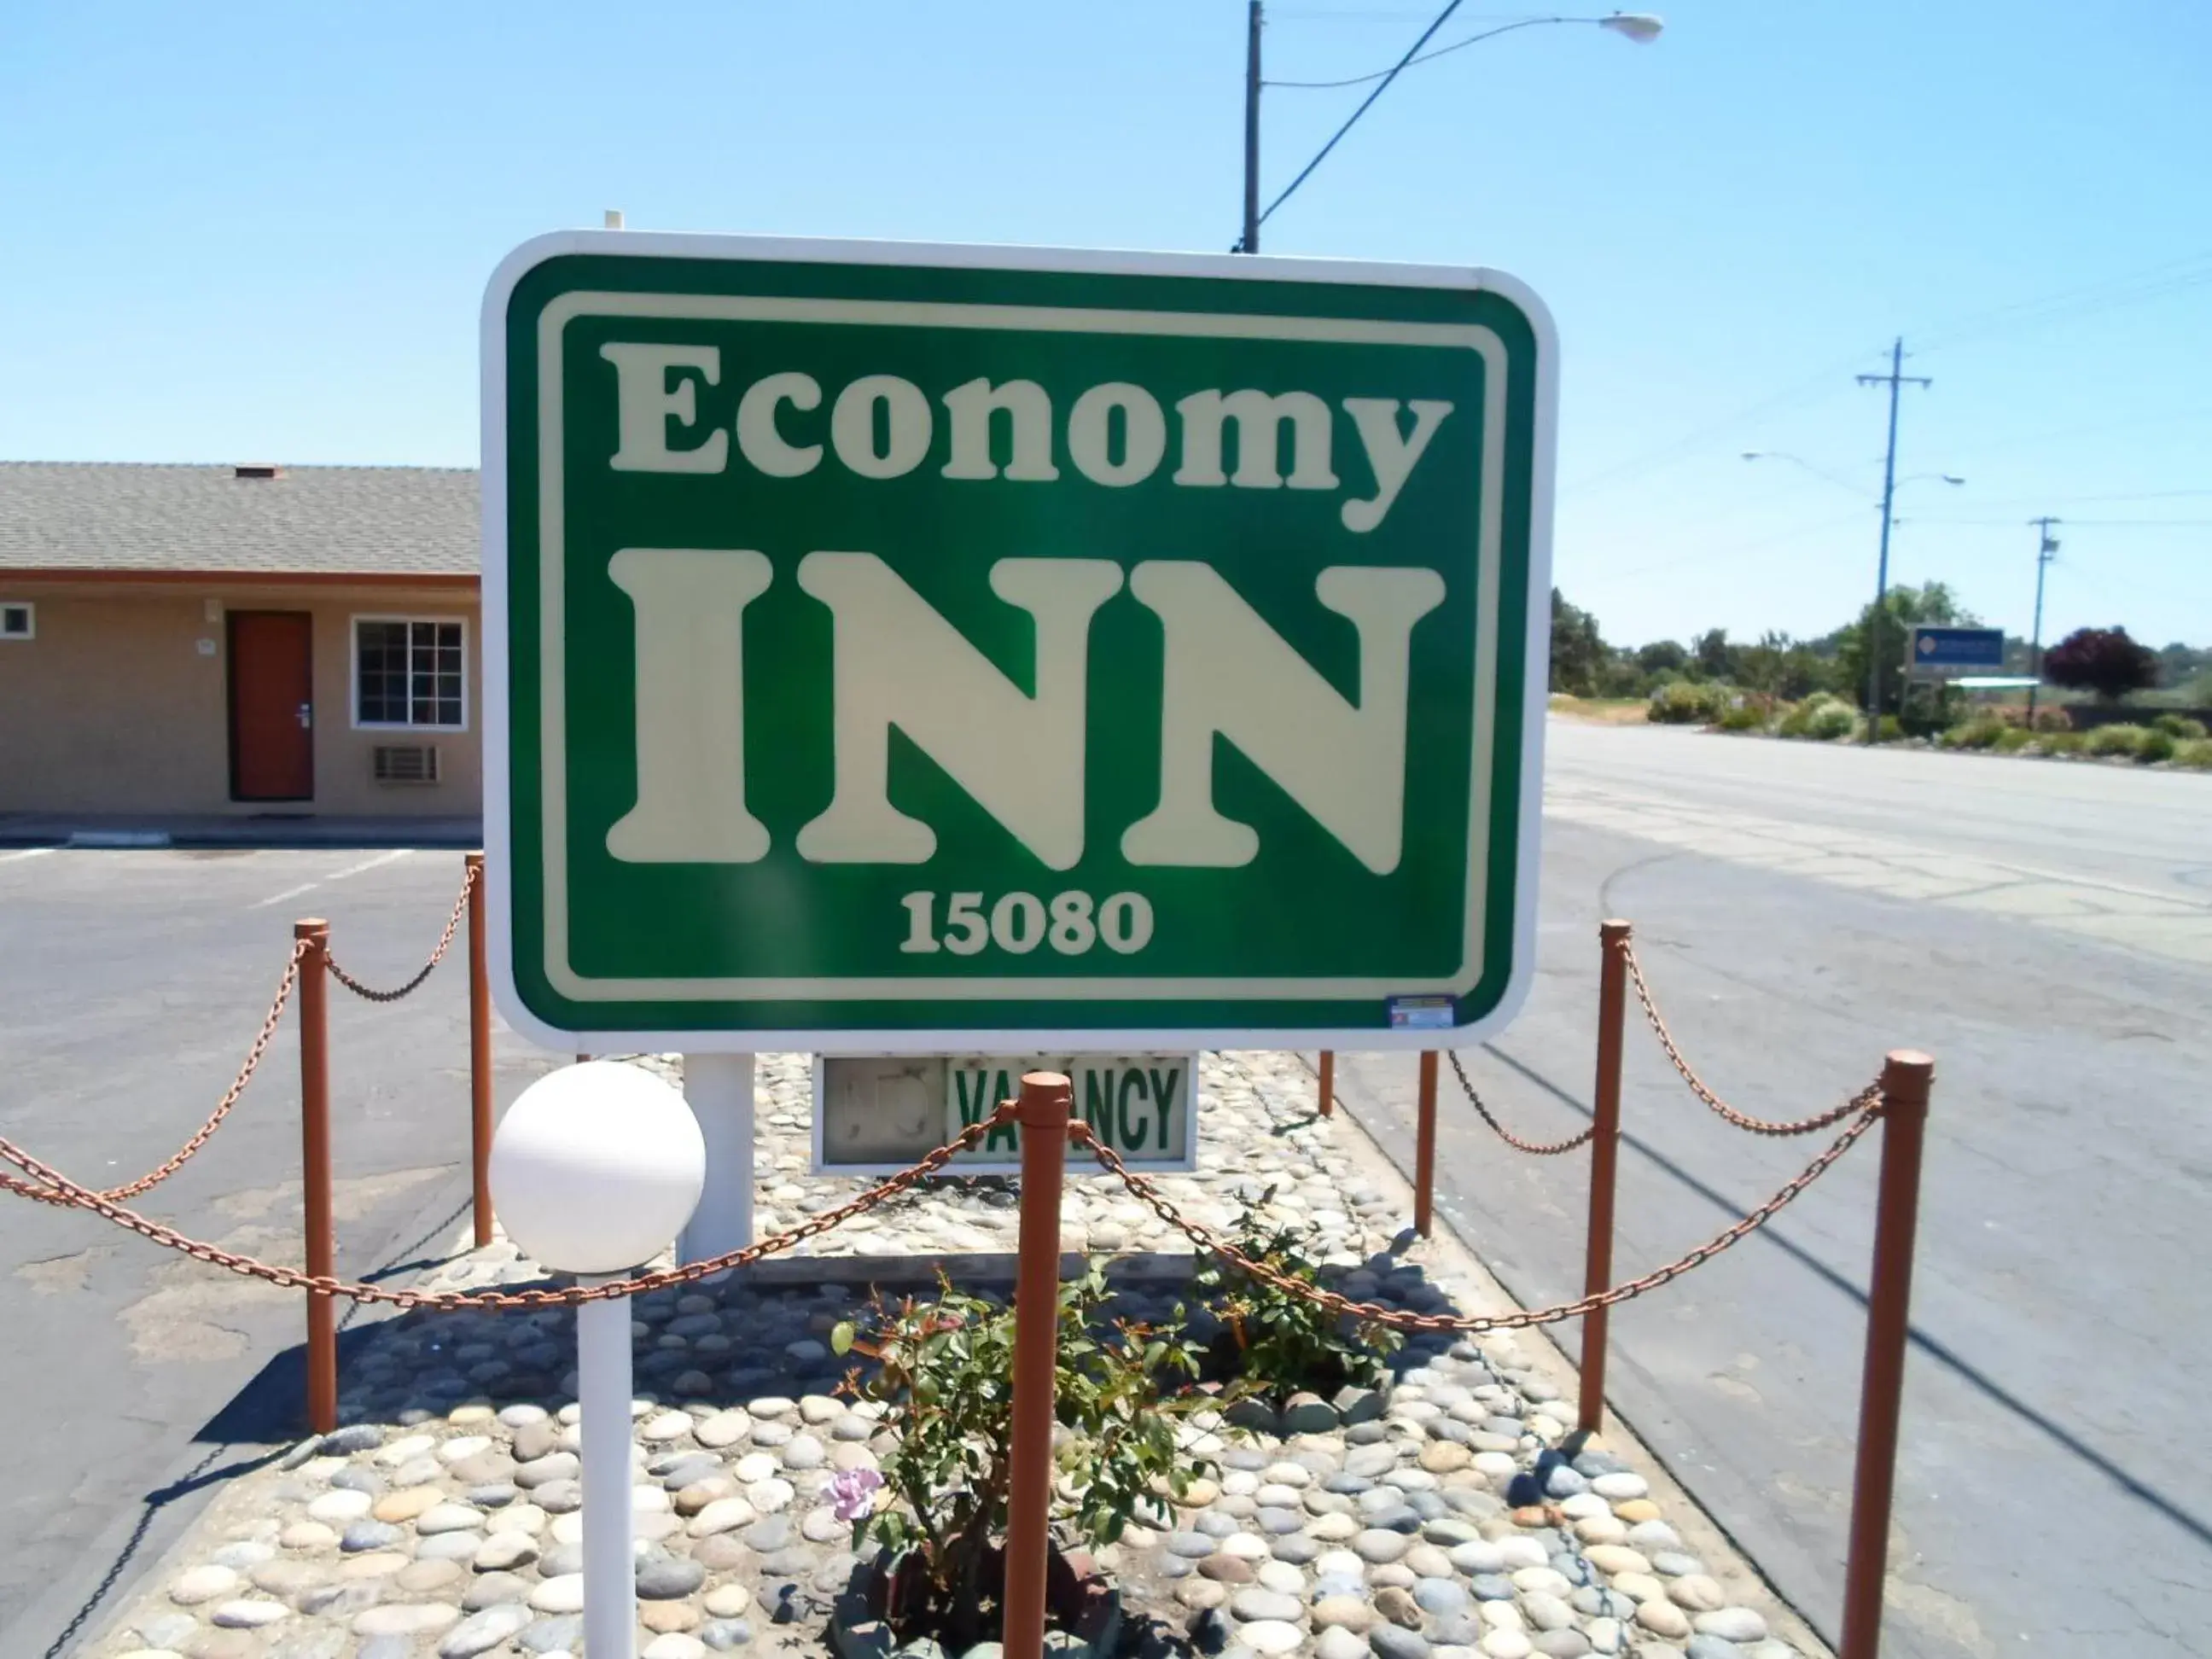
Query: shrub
1281, 1343
945, 1374
2194, 752
1745, 716
2053, 720
1680, 703
1985, 733
2014, 739
1890, 730
2062, 743
2156, 745
2179, 727
2121, 739
1832, 719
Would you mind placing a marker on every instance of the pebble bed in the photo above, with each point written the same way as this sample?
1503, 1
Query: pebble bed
1436, 1519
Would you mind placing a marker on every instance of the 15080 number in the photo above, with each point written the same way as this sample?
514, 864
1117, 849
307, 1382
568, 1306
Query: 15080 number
1071, 923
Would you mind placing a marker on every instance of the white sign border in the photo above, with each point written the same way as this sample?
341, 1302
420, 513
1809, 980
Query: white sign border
498, 809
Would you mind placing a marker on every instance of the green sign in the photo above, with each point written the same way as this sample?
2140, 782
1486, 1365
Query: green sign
907, 649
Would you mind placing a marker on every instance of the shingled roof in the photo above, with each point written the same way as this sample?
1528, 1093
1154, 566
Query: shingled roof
320, 520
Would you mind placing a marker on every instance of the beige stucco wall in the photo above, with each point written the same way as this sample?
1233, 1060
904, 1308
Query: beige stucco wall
114, 708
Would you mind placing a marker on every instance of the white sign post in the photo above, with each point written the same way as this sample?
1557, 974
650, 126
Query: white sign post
594, 1169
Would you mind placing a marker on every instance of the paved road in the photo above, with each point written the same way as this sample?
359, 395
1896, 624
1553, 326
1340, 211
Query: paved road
2046, 930
131, 984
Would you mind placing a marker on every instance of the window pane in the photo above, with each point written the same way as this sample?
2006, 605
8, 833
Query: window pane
381, 647
410, 673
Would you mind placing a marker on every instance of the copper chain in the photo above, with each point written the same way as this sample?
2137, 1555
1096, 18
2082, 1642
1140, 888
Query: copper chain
1757, 1126
1539, 1148
61, 1189
177, 1160
1868, 1101
445, 943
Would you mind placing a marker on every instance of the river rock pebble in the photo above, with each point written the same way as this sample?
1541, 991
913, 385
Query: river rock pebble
1435, 1517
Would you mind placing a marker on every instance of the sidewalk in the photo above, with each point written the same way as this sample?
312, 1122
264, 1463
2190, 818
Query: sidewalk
272, 829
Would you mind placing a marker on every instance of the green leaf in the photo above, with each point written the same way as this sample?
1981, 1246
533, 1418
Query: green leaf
840, 1338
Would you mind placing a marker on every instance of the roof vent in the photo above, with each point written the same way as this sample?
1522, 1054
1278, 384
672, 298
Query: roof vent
257, 469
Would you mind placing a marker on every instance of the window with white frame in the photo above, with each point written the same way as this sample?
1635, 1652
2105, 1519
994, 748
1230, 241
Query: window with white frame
409, 671
19, 620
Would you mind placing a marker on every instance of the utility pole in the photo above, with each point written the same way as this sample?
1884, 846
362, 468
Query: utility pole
1893, 380
1250, 244
2046, 550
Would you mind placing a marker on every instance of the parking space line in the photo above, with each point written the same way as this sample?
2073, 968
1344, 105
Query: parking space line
381, 859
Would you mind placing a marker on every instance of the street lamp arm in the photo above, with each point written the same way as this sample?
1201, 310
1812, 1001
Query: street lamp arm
1428, 56
1639, 27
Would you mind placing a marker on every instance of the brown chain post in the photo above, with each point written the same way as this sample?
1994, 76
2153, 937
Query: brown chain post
315, 1168
1905, 1078
480, 1123
1605, 1157
1424, 1147
1047, 1101
1328, 1090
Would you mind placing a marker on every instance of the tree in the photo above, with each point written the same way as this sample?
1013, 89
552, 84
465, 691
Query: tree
2104, 660
1579, 653
1715, 657
1902, 607
1661, 657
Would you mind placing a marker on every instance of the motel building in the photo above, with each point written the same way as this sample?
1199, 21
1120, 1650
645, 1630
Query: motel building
181, 646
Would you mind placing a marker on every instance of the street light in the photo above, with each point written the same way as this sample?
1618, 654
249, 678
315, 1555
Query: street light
1891, 484
1844, 483
1641, 27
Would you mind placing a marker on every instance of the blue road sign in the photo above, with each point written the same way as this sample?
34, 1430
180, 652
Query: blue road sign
1942, 653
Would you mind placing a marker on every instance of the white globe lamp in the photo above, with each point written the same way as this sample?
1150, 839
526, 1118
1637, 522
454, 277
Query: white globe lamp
596, 1167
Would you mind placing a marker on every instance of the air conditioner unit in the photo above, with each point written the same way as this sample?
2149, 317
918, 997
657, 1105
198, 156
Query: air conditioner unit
406, 762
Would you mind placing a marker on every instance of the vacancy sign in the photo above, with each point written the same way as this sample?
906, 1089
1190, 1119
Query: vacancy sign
916, 649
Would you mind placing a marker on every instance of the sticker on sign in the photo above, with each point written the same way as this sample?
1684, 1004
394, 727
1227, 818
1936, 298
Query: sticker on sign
877, 1115
909, 649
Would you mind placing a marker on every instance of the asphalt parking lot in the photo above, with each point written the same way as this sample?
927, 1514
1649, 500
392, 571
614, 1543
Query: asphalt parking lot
130, 986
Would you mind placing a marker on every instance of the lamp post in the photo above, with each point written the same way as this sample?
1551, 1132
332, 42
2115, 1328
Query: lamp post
1891, 484
1640, 27
2046, 550
595, 1167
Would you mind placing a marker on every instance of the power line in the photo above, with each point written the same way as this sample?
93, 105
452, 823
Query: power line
1811, 390
1366, 104
2153, 282
2194, 269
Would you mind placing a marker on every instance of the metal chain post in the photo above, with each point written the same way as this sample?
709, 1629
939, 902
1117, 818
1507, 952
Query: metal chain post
1424, 1147
314, 934
1605, 1153
1048, 1102
1905, 1080
480, 1104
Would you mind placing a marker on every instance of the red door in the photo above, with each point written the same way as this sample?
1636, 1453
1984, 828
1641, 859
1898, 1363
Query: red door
273, 710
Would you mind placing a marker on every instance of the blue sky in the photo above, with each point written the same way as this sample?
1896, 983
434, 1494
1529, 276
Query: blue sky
263, 231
